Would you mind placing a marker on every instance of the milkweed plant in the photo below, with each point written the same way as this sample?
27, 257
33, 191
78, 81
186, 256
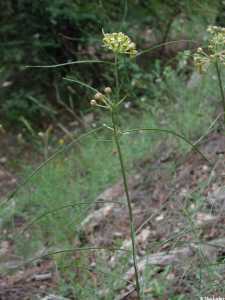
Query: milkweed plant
214, 53
119, 44
110, 100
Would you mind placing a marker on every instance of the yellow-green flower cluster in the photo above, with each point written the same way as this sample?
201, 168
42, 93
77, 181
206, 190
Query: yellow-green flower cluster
119, 43
217, 41
215, 52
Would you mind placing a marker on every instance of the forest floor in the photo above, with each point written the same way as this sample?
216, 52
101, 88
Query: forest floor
178, 204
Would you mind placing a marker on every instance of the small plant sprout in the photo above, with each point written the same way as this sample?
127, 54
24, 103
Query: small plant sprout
214, 54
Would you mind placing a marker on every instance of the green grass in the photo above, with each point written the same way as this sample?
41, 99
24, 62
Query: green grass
77, 177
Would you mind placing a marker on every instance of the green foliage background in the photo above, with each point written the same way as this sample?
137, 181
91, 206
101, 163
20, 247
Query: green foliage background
51, 32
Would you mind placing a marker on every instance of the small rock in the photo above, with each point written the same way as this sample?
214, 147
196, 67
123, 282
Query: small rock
217, 199
54, 297
205, 219
3, 160
40, 277
117, 234
160, 217
93, 219
205, 168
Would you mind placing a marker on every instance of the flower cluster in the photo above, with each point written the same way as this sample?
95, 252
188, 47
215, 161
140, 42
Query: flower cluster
217, 41
119, 43
215, 52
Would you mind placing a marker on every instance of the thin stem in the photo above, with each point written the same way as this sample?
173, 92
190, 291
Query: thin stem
116, 76
164, 44
132, 229
220, 86
71, 63
161, 130
48, 254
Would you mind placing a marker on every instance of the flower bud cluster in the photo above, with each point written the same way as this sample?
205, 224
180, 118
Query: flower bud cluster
119, 43
100, 99
215, 52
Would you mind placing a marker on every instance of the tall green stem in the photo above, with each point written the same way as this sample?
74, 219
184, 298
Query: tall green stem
116, 138
131, 219
220, 86
116, 77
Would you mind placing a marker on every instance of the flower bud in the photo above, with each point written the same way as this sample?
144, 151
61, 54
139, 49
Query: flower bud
108, 90
93, 102
98, 96
41, 134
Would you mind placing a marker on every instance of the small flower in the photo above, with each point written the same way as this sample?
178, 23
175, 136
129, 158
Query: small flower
119, 43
